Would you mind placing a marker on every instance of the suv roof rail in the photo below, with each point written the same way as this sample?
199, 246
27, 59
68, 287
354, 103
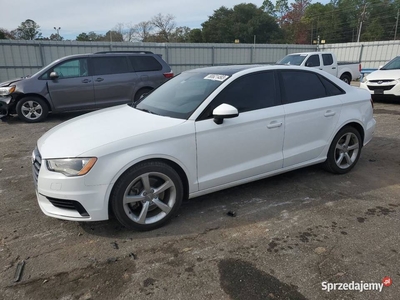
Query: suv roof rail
112, 52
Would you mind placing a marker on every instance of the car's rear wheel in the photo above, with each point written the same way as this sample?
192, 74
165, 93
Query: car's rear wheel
141, 93
346, 78
32, 109
147, 195
344, 151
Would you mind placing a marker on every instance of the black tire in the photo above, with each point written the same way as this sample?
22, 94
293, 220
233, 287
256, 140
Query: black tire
141, 92
148, 209
344, 151
32, 109
346, 78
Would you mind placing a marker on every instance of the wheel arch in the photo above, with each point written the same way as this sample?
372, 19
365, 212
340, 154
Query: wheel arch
182, 174
147, 87
21, 96
353, 124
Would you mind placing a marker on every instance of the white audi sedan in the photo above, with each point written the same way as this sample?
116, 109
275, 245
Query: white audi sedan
202, 131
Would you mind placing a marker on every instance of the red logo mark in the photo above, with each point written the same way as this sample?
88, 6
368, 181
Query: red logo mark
387, 281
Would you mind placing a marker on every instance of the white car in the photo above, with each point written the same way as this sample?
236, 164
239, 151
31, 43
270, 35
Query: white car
385, 81
204, 130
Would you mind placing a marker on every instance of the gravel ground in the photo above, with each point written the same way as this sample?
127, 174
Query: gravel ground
291, 233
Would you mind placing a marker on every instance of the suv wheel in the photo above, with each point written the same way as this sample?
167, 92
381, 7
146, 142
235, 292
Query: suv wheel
32, 109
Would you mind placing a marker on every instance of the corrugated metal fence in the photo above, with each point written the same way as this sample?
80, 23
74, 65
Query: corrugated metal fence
370, 54
21, 58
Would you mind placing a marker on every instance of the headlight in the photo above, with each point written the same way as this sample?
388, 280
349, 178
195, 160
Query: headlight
71, 166
4, 91
364, 79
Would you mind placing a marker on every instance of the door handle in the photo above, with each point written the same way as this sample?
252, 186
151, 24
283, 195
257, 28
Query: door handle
320, 68
274, 124
333, 68
86, 81
329, 113
99, 79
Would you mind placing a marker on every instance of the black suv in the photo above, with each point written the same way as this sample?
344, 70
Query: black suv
84, 82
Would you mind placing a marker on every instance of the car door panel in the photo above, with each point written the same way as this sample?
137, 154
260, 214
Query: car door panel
306, 97
73, 89
305, 141
239, 148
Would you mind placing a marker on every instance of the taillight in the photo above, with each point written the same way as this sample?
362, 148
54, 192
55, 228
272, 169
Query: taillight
372, 103
359, 68
169, 75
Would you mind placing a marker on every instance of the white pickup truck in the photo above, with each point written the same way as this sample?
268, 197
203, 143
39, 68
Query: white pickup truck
324, 61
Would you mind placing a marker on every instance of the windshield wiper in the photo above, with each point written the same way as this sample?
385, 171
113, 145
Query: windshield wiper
146, 110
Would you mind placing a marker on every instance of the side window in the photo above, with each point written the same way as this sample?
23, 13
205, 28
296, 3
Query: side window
331, 88
247, 93
327, 59
70, 69
145, 63
110, 65
301, 85
313, 61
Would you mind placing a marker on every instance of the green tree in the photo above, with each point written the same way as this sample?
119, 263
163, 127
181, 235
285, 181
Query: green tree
5, 34
28, 30
196, 36
243, 22
113, 36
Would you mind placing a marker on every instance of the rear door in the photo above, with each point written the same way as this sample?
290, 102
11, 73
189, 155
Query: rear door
328, 64
312, 110
73, 89
114, 80
148, 70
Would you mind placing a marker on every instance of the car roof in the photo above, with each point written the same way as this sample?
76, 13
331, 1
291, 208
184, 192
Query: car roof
225, 70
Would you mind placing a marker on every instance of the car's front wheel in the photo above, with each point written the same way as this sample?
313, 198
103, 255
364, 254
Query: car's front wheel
32, 109
344, 151
147, 195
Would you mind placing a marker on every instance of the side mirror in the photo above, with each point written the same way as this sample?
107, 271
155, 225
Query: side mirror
309, 64
54, 75
224, 111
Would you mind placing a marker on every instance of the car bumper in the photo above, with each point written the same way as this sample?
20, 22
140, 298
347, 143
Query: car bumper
391, 88
369, 131
5, 103
68, 198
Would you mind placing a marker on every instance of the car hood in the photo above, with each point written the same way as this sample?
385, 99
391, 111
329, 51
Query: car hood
100, 128
384, 74
9, 82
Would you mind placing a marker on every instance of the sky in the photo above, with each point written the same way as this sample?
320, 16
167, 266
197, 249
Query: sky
76, 16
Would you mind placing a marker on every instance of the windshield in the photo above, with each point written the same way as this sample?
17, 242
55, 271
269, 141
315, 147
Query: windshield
394, 64
295, 59
181, 95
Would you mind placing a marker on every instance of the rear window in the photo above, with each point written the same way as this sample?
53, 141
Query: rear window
145, 63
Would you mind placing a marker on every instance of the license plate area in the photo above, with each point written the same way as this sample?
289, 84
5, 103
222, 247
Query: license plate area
378, 92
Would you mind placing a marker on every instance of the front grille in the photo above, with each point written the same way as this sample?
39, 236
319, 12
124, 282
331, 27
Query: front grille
36, 164
379, 87
69, 204
381, 81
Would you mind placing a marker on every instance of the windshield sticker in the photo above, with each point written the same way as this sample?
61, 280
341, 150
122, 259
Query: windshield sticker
216, 77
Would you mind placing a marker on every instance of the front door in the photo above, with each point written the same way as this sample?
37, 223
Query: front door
73, 89
244, 146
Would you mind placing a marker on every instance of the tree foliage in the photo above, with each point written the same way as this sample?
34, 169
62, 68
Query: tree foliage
243, 22
28, 30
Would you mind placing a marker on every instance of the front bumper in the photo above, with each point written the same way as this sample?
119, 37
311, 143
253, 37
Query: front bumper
68, 198
388, 87
5, 103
